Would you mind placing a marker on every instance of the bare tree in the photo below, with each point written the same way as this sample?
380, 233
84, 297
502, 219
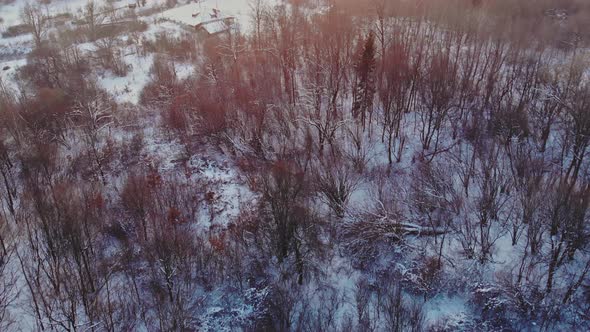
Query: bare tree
397, 94
33, 16
9, 188
93, 18
437, 95
9, 291
336, 181
257, 12
94, 112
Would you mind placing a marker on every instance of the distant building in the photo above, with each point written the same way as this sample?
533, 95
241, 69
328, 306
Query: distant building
205, 20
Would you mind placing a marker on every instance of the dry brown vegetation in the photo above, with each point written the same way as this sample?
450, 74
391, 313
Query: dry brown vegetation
402, 146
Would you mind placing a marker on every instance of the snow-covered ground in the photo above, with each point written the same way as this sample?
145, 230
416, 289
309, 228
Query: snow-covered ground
453, 311
156, 27
124, 89
15, 47
239, 9
227, 192
8, 71
10, 13
128, 88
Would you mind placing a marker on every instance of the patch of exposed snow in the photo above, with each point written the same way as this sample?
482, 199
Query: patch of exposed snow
16, 47
194, 13
226, 191
447, 310
128, 88
184, 70
8, 76
163, 27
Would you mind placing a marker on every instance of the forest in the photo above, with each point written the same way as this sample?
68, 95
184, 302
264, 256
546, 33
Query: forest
318, 165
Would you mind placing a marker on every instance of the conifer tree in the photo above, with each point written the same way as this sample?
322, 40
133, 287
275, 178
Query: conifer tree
364, 90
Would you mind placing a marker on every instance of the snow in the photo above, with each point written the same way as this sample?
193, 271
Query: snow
230, 193
239, 9
161, 152
10, 14
193, 14
170, 28
16, 47
344, 278
226, 312
184, 70
452, 310
228, 189
128, 89
87, 47
8, 76
505, 252
215, 27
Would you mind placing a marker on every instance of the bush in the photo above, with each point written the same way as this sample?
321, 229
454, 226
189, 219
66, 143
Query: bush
17, 30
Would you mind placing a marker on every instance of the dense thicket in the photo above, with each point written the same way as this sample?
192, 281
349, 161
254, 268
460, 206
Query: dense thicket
431, 149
